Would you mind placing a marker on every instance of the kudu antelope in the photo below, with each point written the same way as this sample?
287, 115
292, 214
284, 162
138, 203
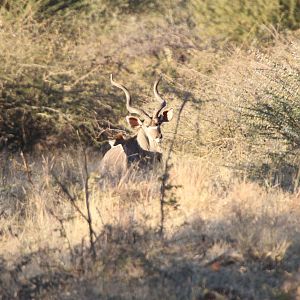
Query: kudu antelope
142, 150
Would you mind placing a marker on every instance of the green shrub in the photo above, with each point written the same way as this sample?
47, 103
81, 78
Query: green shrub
279, 116
242, 20
275, 114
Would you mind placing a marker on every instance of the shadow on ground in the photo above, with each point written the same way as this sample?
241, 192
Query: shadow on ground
136, 264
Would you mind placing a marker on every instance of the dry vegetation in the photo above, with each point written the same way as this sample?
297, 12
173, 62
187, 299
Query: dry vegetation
232, 202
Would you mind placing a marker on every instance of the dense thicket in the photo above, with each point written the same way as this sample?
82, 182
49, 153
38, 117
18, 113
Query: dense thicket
55, 57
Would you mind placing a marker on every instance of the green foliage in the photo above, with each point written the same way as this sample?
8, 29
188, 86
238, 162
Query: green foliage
243, 20
290, 13
104, 12
276, 110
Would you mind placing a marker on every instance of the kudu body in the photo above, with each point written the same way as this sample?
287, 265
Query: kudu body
142, 150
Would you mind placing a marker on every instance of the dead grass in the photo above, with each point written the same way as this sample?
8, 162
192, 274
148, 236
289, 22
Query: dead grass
235, 233
223, 224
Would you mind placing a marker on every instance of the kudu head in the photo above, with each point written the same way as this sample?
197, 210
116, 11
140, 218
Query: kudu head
149, 134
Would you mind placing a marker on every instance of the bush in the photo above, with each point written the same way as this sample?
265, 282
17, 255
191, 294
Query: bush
244, 20
276, 110
63, 52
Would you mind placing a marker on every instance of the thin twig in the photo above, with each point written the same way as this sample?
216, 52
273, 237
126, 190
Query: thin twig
87, 203
61, 222
167, 166
71, 198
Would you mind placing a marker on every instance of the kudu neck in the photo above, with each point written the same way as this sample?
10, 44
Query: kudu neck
145, 143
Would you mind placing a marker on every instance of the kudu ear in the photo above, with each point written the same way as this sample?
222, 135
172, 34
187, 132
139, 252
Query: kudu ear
133, 121
167, 115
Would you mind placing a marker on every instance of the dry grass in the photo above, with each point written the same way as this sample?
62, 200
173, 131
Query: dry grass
235, 231
223, 224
